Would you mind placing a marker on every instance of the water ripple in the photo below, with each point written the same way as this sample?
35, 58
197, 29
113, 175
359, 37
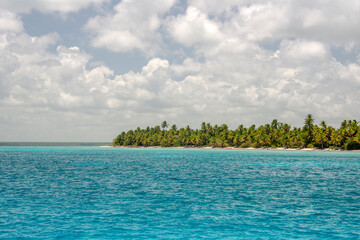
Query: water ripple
98, 193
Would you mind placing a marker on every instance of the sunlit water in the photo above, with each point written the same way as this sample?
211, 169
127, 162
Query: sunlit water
88, 192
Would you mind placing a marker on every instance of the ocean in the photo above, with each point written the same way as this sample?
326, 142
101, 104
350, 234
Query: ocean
92, 192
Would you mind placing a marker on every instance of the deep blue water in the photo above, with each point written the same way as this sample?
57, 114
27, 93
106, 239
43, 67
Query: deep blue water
89, 192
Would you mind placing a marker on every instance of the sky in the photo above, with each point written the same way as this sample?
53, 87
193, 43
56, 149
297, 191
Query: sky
86, 70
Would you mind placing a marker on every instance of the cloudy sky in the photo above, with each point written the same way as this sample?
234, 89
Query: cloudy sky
86, 70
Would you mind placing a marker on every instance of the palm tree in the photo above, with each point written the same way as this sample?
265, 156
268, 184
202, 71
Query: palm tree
275, 134
164, 125
309, 122
274, 123
320, 138
203, 126
344, 124
308, 128
323, 124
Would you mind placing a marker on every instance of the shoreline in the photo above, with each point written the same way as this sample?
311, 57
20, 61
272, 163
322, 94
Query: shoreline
248, 148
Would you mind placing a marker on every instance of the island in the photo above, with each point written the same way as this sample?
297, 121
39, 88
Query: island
273, 135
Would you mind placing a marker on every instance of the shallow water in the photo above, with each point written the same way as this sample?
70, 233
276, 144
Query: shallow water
89, 192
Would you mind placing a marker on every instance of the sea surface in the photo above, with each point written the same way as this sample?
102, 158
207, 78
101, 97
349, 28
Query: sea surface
93, 192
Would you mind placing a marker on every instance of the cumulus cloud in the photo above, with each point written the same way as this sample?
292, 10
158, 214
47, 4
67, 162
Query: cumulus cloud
9, 22
132, 25
300, 51
47, 6
188, 66
249, 62
228, 84
335, 22
194, 27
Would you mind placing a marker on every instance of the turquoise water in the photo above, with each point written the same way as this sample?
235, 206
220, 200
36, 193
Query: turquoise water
90, 192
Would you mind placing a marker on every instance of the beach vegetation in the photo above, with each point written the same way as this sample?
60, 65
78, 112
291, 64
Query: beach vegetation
273, 135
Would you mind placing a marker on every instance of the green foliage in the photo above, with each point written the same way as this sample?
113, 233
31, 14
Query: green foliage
272, 135
164, 125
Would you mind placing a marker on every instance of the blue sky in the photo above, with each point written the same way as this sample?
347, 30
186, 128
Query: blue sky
86, 70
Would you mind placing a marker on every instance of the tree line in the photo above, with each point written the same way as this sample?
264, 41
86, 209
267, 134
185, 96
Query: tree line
275, 134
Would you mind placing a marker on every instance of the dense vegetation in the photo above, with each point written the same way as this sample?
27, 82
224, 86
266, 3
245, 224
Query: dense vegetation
272, 135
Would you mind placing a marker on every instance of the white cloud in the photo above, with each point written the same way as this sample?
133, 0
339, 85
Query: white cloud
194, 28
47, 6
335, 22
188, 66
9, 22
235, 84
214, 8
133, 25
258, 22
304, 51
229, 76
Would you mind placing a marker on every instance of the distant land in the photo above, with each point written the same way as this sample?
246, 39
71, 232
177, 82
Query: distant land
273, 135
55, 143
